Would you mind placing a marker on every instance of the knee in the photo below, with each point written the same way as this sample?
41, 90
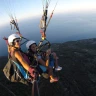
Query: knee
55, 55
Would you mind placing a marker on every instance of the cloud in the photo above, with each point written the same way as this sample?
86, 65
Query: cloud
67, 7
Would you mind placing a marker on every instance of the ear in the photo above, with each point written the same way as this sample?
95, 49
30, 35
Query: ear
13, 43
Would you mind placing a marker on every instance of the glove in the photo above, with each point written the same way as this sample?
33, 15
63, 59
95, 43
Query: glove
31, 71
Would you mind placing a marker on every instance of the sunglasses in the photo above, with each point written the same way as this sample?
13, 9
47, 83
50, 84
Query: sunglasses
17, 40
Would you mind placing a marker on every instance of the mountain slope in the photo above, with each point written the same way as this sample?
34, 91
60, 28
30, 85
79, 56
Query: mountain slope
77, 78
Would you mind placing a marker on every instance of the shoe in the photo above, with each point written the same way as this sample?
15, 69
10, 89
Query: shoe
45, 75
54, 80
58, 68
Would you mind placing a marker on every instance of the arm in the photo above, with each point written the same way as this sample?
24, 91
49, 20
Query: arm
48, 52
24, 63
44, 63
47, 60
21, 60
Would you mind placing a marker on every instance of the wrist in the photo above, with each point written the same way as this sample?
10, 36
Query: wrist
47, 57
47, 54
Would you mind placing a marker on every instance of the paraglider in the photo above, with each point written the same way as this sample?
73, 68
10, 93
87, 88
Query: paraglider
43, 27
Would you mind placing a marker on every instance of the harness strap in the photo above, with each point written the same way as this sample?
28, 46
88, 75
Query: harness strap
21, 69
40, 46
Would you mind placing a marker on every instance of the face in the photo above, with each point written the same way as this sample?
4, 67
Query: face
34, 47
17, 43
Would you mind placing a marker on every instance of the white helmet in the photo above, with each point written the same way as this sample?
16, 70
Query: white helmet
12, 37
29, 43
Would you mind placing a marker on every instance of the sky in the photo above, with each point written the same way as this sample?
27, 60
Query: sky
72, 20
23, 9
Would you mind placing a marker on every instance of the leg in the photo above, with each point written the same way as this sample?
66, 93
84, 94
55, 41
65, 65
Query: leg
50, 73
57, 67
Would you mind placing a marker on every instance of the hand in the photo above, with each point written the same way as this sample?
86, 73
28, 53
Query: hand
31, 71
48, 52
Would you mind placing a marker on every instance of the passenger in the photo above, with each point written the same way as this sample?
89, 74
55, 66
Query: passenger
16, 53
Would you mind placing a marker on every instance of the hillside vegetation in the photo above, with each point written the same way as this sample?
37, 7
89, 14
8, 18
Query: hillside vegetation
77, 78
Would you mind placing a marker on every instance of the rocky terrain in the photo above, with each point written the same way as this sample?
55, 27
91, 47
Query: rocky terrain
77, 78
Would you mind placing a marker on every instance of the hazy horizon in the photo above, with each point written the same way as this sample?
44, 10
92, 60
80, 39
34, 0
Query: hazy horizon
62, 28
